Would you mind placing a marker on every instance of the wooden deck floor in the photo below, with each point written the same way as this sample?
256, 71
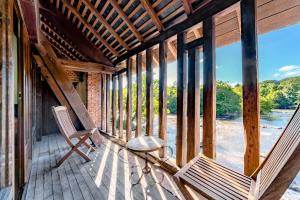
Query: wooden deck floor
105, 177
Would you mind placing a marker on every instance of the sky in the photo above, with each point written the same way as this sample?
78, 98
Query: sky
278, 58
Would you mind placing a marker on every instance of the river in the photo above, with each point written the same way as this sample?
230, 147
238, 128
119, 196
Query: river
230, 141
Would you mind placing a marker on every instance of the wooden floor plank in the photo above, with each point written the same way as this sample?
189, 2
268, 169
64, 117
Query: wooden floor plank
106, 176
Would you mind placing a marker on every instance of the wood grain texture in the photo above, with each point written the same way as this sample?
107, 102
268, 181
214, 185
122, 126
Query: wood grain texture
181, 126
162, 110
193, 107
138, 130
251, 113
149, 92
129, 100
209, 89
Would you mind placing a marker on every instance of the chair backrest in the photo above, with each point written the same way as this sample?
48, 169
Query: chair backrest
280, 162
63, 121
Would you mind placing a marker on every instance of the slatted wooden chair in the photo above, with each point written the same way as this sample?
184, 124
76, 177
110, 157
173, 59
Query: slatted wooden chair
69, 132
269, 181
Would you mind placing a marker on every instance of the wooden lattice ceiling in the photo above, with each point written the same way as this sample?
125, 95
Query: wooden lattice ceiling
114, 27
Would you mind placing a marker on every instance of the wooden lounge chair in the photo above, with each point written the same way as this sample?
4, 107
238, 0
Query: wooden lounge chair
269, 181
69, 132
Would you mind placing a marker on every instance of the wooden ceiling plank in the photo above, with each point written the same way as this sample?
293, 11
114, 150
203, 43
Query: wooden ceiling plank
148, 7
126, 19
187, 7
106, 24
82, 20
171, 3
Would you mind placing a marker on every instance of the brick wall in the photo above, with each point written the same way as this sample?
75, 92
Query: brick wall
94, 97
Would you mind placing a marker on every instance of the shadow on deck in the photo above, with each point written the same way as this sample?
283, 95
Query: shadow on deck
107, 176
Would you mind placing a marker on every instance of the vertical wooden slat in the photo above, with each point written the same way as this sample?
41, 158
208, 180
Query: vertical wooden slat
209, 89
120, 104
39, 101
138, 131
114, 105
251, 113
149, 92
108, 109
181, 101
103, 102
163, 95
129, 99
193, 107
7, 91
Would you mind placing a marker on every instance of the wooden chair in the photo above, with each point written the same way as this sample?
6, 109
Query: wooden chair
69, 132
269, 181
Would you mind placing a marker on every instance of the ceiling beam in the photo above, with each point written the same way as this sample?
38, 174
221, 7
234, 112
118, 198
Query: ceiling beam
87, 66
66, 28
122, 14
89, 27
148, 7
187, 7
105, 23
210, 8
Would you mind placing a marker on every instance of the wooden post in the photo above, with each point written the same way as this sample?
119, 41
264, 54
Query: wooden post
193, 107
149, 92
162, 95
209, 89
181, 101
138, 131
108, 109
114, 105
7, 91
39, 104
103, 102
120, 104
129, 99
251, 113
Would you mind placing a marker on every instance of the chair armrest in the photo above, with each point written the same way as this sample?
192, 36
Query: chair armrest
83, 133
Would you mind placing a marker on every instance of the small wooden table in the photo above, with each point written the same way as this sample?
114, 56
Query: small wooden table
145, 144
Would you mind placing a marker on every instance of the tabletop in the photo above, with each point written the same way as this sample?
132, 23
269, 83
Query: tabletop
145, 144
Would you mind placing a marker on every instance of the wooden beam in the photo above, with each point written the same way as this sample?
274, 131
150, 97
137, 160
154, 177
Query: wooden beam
172, 49
151, 12
103, 102
162, 131
114, 106
209, 9
129, 99
181, 101
89, 27
7, 93
193, 107
66, 87
120, 105
86, 66
138, 130
105, 23
54, 87
66, 28
251, 113
149, 92
108, 108
209, 89
187, 7
122, 14
194, 44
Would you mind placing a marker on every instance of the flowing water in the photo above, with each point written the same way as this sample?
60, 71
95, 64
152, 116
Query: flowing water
230, 141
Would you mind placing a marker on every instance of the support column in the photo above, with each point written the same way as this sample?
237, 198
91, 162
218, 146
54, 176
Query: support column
209, 89
163, 95
251, 111
138, 131
108, 108
129, 99
114, 105
120, 104
193, 107
103, 102
149, 92
181, 101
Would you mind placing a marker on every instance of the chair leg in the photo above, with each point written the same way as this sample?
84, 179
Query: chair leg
87, 145
182, 189
64, 158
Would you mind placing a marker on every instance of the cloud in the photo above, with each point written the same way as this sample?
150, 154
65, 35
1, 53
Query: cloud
276, 75
289, 68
